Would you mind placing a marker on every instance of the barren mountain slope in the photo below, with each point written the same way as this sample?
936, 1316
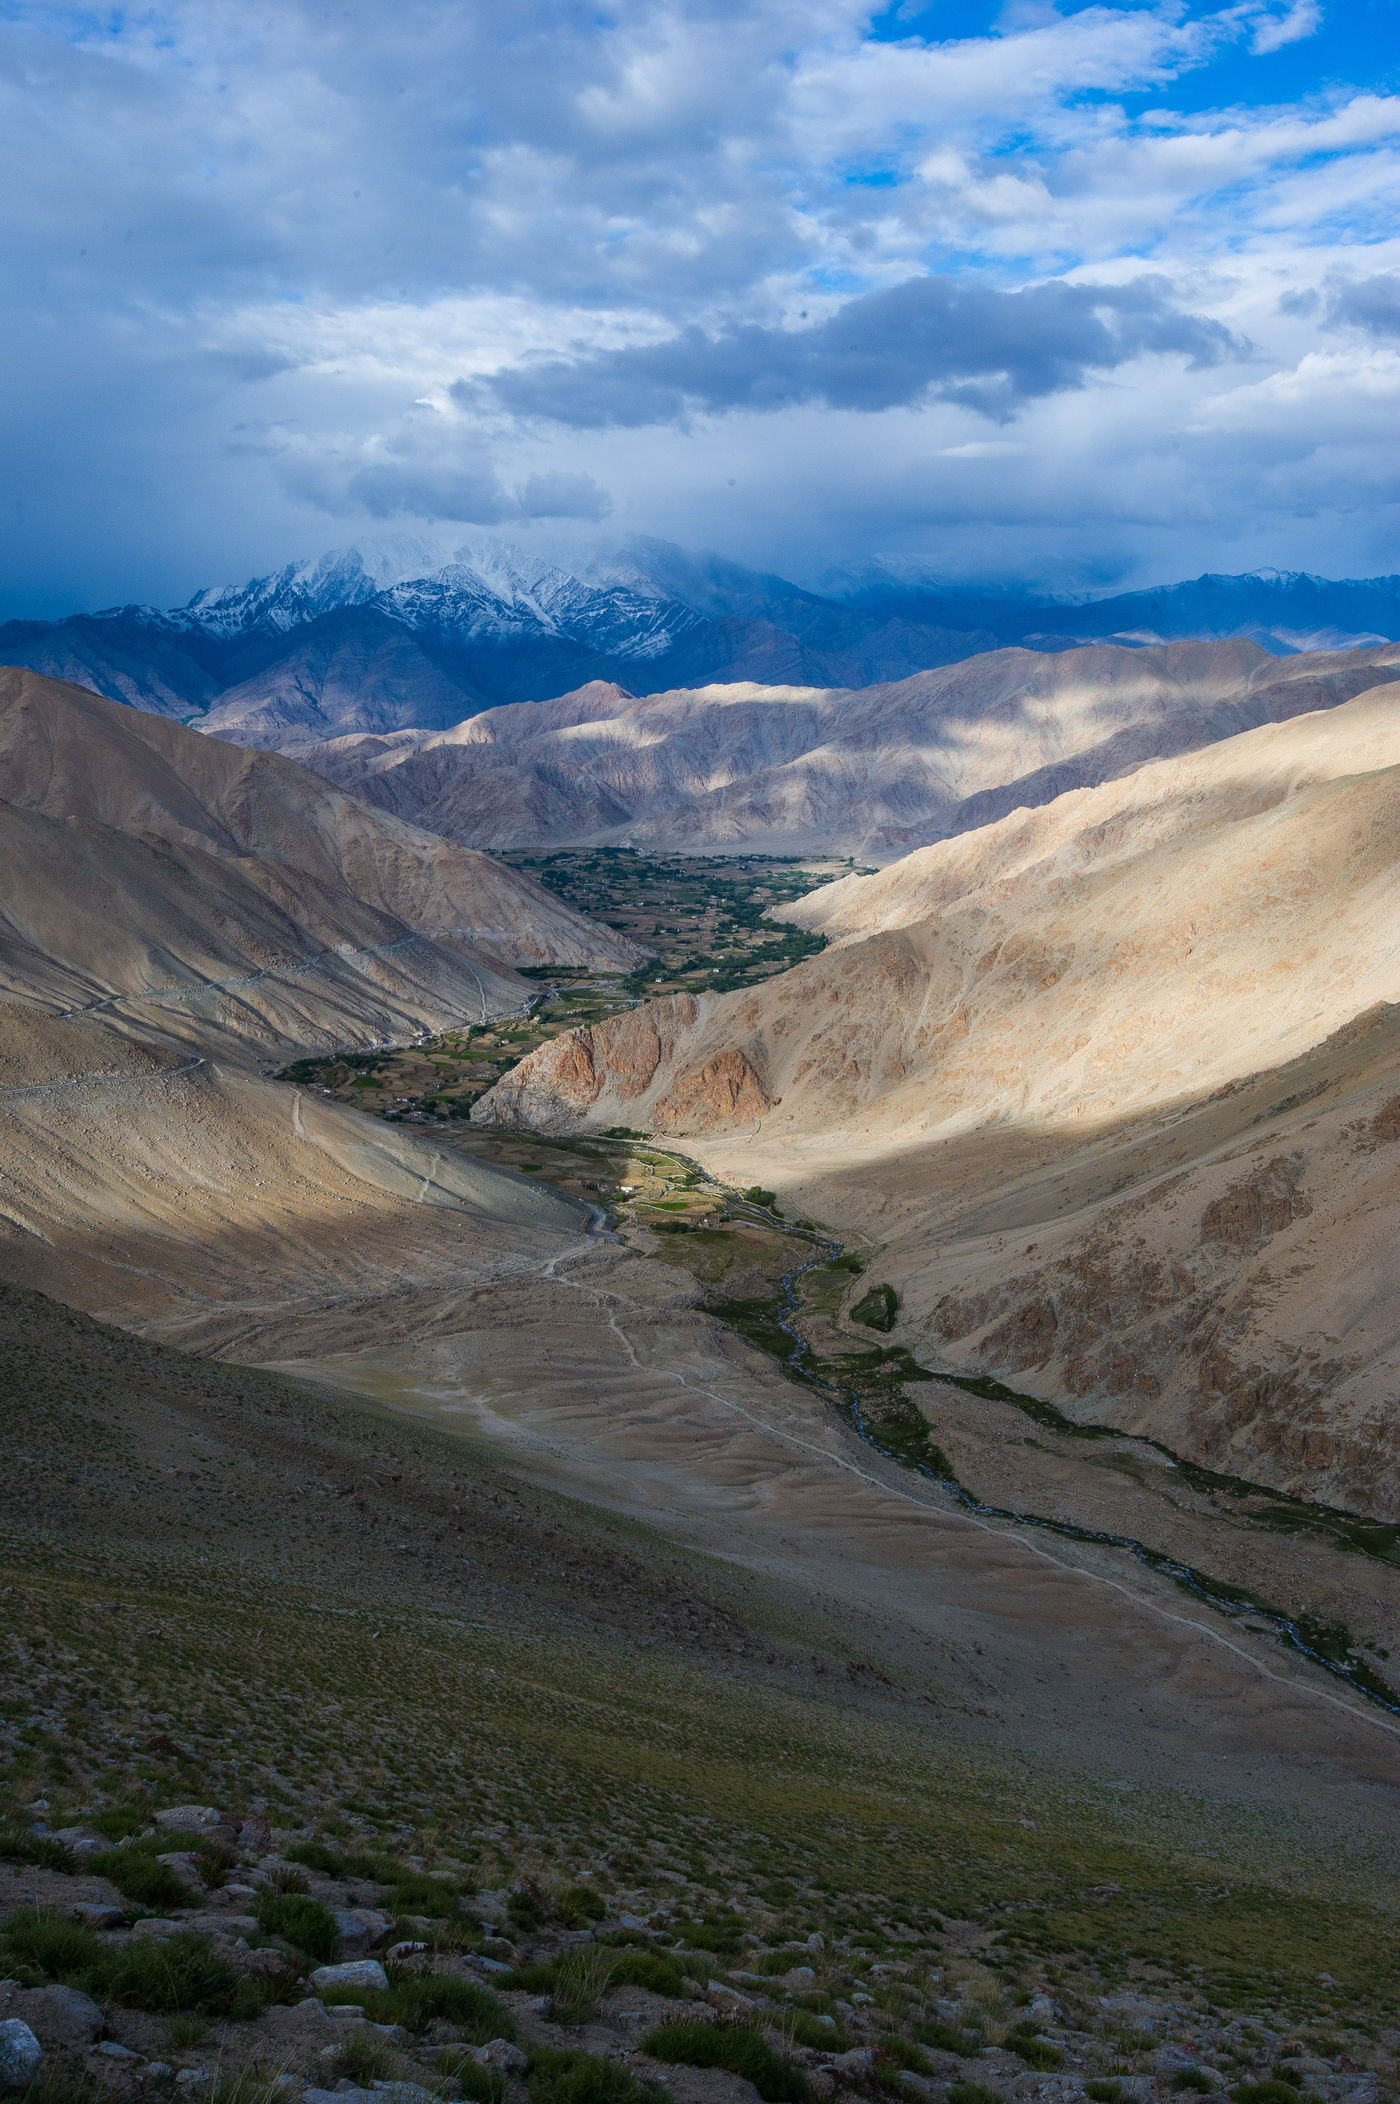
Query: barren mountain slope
74, 757
1149, 988
870, 771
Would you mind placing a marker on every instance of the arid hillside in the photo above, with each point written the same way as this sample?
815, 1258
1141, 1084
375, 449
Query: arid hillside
870, 772
271, 826
1100, 1078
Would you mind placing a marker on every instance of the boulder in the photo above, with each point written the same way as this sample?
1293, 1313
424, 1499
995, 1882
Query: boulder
156, 1927
361, 1975
110, 2050
191, 1819
360, 1929
500, 2054
96, 1916
728, 1999
20, 2054
58, 2016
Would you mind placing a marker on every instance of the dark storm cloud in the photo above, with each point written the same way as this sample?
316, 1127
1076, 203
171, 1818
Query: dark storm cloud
990, 350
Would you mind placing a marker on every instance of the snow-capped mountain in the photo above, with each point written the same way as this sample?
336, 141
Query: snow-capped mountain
410, 632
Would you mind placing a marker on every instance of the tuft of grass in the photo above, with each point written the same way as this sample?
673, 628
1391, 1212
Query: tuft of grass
1104, 2089
586, 2078
947, 2038
285, 1877
971, 2093
366, 2057
186, 2028
721, 1933
1275, 2091
169, 1973
1197, 2078
20, 1844
306, 1923
417, 1999
40, 1940
579, 1905
1036, 2052
138, 1876
581, 1978
316, 1856
736, 2048
117, 1822
480, 2085
822, 2033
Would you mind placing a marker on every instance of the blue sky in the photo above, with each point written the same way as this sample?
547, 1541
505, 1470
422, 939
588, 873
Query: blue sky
1079, 295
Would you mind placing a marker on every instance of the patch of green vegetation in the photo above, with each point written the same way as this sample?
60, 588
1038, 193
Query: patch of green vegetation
824, 2033
162, 1973
877, 1309
306, 1923
735, 2047
20, 1844
138, 1876
555, 2077
417, 1999
317, 1856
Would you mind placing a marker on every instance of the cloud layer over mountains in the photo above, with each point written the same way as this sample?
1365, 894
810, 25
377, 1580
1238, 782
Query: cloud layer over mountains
753, 278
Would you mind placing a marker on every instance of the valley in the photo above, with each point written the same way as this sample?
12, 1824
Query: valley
518, 1370
699, 925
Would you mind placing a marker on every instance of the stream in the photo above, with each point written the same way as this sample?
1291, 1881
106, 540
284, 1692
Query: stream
1329, 1646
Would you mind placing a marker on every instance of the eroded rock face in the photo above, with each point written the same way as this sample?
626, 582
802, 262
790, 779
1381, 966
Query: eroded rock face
724, 1091
1248, 1213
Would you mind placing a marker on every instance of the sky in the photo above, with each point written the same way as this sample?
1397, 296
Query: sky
1080, 296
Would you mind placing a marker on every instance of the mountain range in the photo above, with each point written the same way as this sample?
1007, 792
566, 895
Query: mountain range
868, 771
408, 634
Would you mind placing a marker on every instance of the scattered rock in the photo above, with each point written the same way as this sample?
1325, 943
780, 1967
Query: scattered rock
20, 2054
156, 1927
110, 2050
360, 1929
365, 1973
801, 1976
263, 1965
399, 1952
94, 1915
500, 2054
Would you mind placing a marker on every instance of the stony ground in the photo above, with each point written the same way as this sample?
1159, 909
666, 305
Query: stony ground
269, 1961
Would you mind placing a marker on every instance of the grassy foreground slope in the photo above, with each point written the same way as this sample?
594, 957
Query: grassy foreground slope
220, 1587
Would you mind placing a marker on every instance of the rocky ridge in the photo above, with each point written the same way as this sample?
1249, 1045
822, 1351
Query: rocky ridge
870, 772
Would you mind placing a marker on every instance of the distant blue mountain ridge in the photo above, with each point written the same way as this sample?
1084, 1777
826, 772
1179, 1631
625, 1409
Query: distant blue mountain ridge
410, 634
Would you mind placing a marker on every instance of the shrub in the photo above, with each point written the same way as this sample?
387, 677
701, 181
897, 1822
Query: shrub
586, 2078
139, 1876
734, 2047
1106, 2089
971, 2093
1197, 2078
903, 2054
41, 1940
756, 1195
417, 1999
20, 1844
186, 2028
316, 1856
1277, 2091
306, 1923
180, 1972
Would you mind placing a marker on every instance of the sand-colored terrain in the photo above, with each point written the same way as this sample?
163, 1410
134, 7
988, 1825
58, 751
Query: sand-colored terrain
1113, 1083
869, 772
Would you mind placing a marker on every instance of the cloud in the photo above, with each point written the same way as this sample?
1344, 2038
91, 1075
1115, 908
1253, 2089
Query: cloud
970, 343
557, 495
1372, 304
1302, 19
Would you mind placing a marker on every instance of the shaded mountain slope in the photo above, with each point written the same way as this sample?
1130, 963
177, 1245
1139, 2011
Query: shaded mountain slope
344, 873
868, 772
1180, 987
